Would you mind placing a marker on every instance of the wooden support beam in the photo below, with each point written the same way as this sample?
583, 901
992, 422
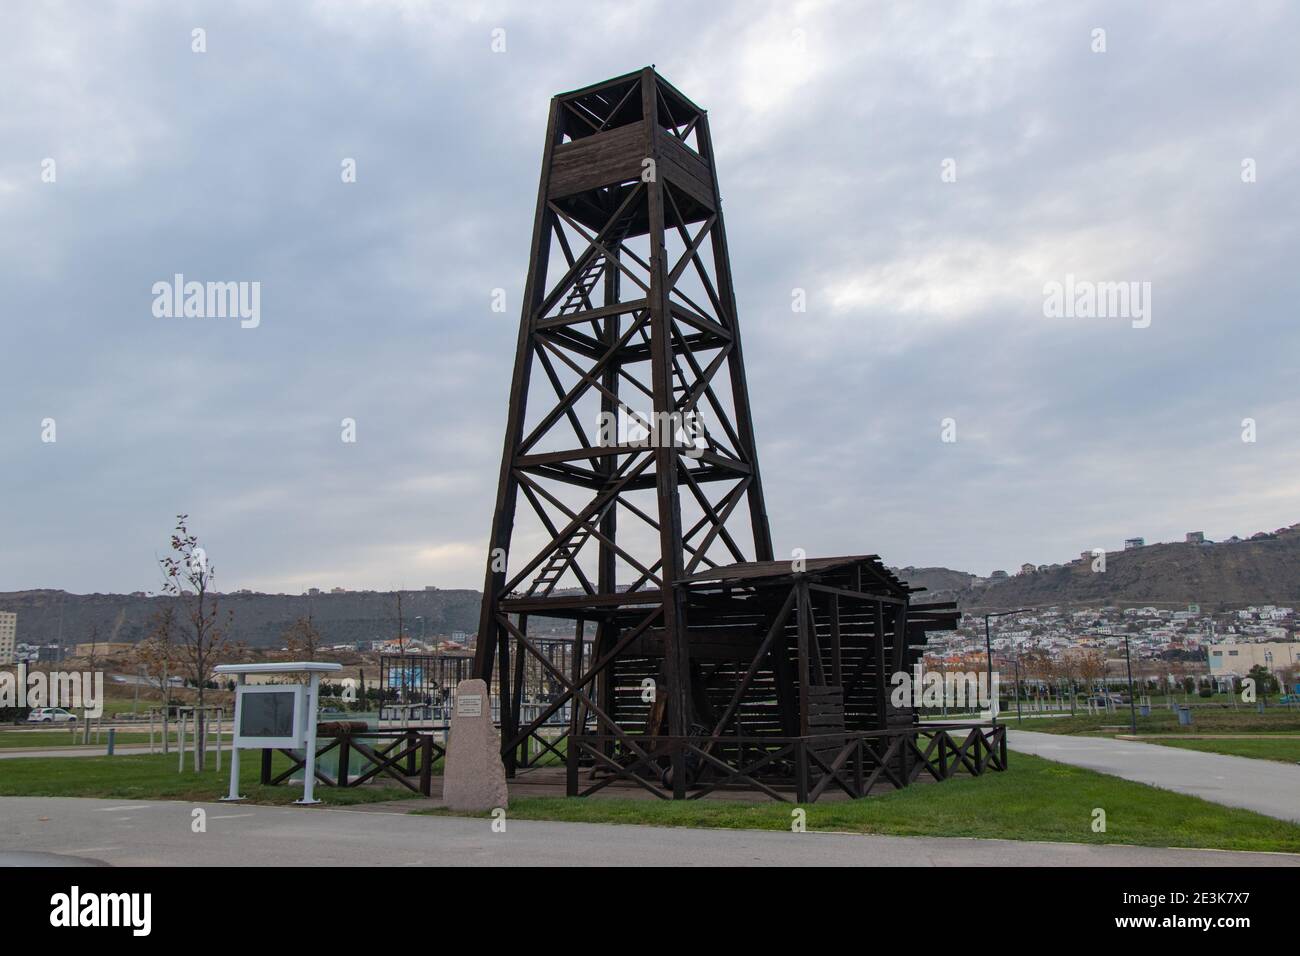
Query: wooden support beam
805, 642
880, 663
837, 661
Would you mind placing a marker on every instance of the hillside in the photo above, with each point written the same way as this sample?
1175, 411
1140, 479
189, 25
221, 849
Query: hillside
259, 619
940, 583
1257, 571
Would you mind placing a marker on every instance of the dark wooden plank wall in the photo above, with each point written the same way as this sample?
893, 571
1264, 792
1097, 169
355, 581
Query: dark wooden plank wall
598, 160
683, 167
720, 666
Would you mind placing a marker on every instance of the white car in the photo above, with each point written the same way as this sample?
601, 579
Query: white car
46, 715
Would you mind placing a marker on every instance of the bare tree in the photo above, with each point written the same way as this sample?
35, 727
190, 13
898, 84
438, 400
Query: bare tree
303, 638
1091, 668
1041, 664
1179, 671
1051, 679
939, 667
1068, 668
204, 635
157, 655
94, 653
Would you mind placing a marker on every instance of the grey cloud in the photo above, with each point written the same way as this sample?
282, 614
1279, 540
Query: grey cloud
925, 298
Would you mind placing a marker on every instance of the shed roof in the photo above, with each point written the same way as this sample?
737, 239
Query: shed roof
756, 570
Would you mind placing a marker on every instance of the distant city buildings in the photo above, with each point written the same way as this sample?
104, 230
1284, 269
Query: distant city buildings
1195, 537
102, 648
39, 653
8, 637
1185, 641
1232, 659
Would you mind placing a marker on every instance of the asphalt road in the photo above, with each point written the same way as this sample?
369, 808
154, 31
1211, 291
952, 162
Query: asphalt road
1269, 787
36, 830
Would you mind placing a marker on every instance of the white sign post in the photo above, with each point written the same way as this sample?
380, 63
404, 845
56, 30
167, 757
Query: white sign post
233, 795
309, 747
281, 716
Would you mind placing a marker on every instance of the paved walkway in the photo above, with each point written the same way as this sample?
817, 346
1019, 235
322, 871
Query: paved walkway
1269, 787
78, 750
95, 750
137, 833
1208, 736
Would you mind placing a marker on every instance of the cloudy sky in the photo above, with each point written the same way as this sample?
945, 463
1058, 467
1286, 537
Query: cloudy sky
832, 126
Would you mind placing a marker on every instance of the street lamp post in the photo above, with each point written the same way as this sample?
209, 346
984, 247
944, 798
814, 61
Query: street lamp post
1128, 664
1132, 702
1268, 666
988, 650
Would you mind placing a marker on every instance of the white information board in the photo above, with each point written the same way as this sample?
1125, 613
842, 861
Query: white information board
469, 705
270, 715
277, 715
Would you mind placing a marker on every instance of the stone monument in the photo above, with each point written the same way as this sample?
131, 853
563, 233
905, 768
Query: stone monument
473, 776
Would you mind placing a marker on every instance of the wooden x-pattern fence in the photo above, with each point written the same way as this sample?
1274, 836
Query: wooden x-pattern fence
799, 769
407, 756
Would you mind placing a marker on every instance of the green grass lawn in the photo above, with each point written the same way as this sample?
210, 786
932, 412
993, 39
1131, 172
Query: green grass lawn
1262, 747
1205, 720
1035, 799
155, 777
